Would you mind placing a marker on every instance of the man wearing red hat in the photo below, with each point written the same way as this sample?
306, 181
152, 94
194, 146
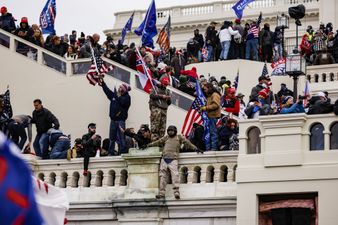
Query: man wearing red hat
7, 21
25, 32
159, 101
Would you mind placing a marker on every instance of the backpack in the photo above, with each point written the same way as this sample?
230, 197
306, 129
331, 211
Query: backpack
267, 38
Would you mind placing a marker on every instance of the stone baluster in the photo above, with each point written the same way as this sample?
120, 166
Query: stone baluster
191, 174
217, 174
230, 175
57, 179
80, 182
69, 180
93, 178
203, 173
105, 178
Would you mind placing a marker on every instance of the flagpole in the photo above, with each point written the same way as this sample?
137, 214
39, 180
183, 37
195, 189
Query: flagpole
93, 55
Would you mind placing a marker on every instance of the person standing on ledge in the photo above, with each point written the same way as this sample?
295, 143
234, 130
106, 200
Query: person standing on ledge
119, 105
159, 101
171, 144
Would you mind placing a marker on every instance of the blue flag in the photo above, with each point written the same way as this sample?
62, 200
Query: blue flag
126, 28
17, 198
47, 17
148, 27
239, 7
201, 99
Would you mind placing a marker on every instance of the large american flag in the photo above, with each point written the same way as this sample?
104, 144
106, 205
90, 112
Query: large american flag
97, 70
164, 37
194, 116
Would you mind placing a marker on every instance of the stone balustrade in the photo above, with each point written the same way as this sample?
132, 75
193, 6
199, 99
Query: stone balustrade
289, 140
322, 73
135, 175
213, 9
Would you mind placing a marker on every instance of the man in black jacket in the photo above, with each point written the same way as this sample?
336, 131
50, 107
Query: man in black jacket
44, 120
119, 105
7, 21
91, 143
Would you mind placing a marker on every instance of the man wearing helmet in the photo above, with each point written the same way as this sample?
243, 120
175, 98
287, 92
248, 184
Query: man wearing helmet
159, 101
171, 144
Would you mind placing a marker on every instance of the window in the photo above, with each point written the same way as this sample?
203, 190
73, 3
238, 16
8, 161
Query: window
254, 141
334, 136
317, 137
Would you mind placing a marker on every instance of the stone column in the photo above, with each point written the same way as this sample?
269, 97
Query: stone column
143, 173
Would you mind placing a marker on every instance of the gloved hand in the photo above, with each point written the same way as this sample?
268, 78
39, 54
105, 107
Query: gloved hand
203, 108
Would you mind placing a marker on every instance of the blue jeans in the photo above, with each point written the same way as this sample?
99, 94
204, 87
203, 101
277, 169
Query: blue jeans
115, 135
278, 52
59, 151
251, 44
225, 50
213, 144
40, 145
210, 53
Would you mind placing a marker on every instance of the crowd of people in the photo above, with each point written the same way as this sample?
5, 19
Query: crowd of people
232, 41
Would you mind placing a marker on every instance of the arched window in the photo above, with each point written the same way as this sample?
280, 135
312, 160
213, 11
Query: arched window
317, 137
334, 136
184, 175
254, 141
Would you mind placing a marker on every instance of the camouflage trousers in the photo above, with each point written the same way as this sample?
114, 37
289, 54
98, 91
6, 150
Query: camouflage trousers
167, 169
158, 121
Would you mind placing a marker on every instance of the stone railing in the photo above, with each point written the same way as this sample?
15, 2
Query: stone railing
287, 140
322, 73
212, 11
80, 66
135, 175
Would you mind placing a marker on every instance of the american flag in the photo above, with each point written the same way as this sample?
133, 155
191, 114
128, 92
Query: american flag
265, 71
97, 70
205, 53
194, 116
164, 37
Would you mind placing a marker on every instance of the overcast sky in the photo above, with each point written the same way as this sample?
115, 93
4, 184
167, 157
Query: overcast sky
89, 16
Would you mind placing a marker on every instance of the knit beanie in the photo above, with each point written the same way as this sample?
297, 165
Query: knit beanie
125, 87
